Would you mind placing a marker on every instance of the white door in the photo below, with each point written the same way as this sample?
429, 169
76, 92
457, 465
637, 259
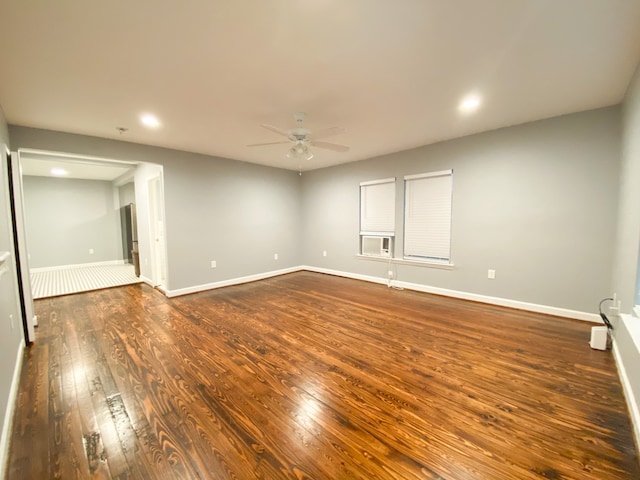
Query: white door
22, 256
156, 226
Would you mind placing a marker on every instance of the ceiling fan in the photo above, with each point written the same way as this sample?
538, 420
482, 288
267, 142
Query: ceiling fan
302, 138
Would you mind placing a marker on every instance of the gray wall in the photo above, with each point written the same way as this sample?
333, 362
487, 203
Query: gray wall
628, 234
532, 202
66, 217
626, 271
536, 202
127, 194
10, 336
236, 213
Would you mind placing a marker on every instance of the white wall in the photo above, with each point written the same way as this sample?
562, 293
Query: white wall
66, 218
536, 202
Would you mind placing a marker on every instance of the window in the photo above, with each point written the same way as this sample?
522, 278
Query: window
427, 216
377, 214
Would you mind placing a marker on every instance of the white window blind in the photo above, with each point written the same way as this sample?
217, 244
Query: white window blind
427, 223
377, 207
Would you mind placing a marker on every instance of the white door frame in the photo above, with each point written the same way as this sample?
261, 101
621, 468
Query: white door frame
157, 234
22, 252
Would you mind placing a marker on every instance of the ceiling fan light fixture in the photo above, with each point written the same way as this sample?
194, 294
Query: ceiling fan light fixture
301, 139
300, 150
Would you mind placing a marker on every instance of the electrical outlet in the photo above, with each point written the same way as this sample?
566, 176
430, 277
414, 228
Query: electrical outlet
213, 264
275, 256
324, 253
12, 323
491, 274
390, 273
91, 251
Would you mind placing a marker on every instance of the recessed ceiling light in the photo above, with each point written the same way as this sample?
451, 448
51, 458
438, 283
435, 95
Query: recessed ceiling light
150, 121
58, 171
469, 104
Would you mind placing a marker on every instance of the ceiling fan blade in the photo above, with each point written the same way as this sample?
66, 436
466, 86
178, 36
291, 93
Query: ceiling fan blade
331, 146
268, 143
275, 130
327, 132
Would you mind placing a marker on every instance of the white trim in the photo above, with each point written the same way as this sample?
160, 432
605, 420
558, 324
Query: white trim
147, 280
77, 265
124, 179
338, 273
404, 261
503, 302
376, 182
232, 281
12, 401
417, 260
76, 158
378, 234
440, 173
632, 403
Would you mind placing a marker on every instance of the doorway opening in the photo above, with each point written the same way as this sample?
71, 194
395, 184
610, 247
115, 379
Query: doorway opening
86, 215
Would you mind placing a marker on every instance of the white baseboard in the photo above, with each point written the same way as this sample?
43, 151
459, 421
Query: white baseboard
504, 302
78, 265
632, 402
8, 414
632, 326
227, 283
356, 276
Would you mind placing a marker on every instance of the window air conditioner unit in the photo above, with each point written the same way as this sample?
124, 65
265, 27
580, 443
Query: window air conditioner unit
376, 246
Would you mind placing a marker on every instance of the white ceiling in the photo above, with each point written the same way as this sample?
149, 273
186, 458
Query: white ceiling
390, 73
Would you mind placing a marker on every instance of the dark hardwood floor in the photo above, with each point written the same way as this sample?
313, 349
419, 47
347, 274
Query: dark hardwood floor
313, 376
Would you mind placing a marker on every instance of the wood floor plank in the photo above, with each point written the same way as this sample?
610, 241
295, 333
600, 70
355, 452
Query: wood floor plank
308, 376
67, 458
26, 440
95, 444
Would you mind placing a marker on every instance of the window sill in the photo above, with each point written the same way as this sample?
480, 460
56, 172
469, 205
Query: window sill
402, 261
